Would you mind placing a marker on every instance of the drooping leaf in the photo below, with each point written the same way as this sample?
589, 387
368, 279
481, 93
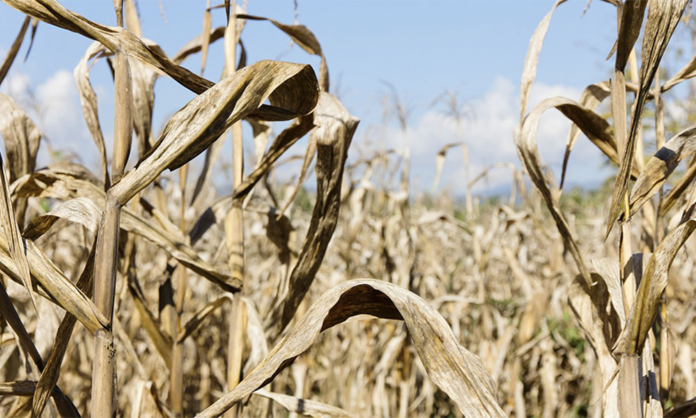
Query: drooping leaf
88, 100
594, 127
451, 367
190, 131
663, 16
661, 166
334, 132
306, 40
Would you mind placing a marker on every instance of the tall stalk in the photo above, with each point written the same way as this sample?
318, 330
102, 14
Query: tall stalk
234, 230
104, 368
176, 378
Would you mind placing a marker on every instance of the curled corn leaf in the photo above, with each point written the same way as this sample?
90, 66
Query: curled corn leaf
451, 367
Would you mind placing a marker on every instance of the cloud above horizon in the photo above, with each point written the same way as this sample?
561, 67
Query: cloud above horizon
54, 106
488, 134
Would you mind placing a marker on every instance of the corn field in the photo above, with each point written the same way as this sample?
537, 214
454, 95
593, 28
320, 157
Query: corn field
143, 290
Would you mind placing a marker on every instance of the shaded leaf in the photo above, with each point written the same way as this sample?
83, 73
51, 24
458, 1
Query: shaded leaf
334, 132
451, 367
13, 236
646, 306
191, 130
49, 376
594, 127
663, 17
661, 166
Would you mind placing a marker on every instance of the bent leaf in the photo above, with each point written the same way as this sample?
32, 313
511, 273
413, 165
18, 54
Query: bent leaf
647, 303
594, 127
661, 166
455, 370
291, 88
306, 40
333, 135
532, 59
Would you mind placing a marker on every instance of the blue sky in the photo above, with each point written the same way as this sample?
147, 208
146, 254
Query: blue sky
476, 48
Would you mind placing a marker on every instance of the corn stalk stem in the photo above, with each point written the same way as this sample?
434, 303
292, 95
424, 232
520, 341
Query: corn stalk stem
104, 368
234, 228
630, 403
176, 378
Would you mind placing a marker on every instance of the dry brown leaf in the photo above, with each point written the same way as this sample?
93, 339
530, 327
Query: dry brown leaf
13, 235
280, 145
678, 190
161, 341
25, 388
647, 303
22, 139
305, 406
88, 100
57, 287
9, 313
590, 98
334, 132
451, 367
14, 49
212, 154
592, 322
82, 203
440, 163
190, 131
114, 38
176, 245
306, 162
630, 23
532, 59
306, 40
197, 320
661, 166
608, 270
195, 45
49, 376
80, 210
594, 127
663, 17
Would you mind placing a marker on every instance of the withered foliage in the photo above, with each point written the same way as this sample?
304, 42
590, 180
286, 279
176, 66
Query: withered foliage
124, 293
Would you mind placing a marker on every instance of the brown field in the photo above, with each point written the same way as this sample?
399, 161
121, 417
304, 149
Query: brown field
142, 290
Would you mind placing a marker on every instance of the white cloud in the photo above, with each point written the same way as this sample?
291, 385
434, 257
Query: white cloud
15, 84
60, 112
55, 107
489, 136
